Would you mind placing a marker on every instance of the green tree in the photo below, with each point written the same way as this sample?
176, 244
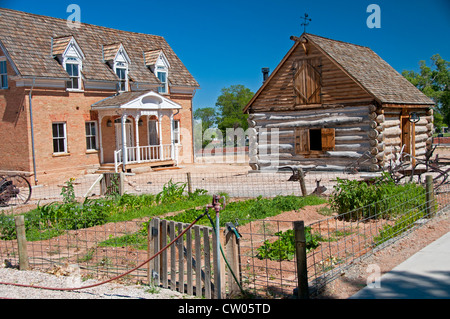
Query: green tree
230, 105
208, 118
434, 82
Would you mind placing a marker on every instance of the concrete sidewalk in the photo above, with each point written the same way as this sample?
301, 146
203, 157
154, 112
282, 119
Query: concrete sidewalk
425, 275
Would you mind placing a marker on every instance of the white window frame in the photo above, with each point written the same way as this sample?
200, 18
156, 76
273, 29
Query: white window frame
176, 131
122, 66
74, 61
64, 137
164, 88
90, 136
4, 74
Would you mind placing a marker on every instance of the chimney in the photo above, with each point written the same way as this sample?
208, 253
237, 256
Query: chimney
265, 72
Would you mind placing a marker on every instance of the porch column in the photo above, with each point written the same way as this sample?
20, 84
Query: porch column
138, 151
124, 141
161, 148
172, 141
100, 140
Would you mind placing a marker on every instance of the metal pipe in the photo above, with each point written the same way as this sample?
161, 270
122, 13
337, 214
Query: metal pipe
32, 134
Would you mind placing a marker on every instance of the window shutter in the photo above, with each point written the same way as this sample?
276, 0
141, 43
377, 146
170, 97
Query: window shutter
301, 140
328, 140
308, 81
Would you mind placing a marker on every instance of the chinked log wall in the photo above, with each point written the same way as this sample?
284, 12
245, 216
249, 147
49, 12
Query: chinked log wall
368, 129
351, 124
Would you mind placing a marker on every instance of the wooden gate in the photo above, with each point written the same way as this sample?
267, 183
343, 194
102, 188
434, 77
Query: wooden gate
186, 266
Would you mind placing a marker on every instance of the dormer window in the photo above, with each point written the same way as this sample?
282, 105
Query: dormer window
73, 69
162, 77
122, 74
117, 58
3, 73
158, 63
69, 54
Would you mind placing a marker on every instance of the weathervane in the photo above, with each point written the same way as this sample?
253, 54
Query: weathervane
305, 23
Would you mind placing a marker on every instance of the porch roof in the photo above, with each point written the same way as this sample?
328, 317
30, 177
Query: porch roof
143, 100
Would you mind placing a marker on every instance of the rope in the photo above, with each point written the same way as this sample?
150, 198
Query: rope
117, 277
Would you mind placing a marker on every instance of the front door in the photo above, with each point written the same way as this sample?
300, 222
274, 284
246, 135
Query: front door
129, 132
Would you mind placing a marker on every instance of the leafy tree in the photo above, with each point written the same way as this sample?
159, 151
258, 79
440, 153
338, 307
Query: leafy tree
230, 105
208, 116
434, 82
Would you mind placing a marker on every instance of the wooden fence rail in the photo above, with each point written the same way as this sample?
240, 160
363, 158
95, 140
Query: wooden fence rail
188, 265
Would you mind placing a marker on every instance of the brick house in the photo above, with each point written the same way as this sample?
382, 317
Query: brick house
74, 100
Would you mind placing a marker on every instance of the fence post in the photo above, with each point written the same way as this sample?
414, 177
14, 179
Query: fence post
301, 179
430, 209
231, 248
153, 247
189, 183
300, 252
121, 183
22, 242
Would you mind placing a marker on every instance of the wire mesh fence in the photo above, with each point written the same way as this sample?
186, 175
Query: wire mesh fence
268, 258
267, 262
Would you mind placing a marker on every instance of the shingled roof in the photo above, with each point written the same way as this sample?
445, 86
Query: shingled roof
365, 67
27, 39
371, 71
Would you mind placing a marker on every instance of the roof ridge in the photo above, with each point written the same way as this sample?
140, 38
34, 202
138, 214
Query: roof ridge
83, 23
333, 40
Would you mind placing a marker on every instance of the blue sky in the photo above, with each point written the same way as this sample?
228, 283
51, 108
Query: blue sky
223, 43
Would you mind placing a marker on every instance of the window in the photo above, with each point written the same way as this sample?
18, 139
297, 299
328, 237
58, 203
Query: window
73, 69
3, 75
122, 75
59, 138
311, 140
162, 76
176, 132
91, 136
308, 81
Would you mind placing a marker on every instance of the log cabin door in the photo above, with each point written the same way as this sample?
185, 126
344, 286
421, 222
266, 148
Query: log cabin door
408, 136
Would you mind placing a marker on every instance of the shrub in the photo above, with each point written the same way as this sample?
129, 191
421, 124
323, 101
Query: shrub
354, 200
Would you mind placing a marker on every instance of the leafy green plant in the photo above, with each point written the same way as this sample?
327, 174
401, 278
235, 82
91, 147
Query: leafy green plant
284, 247
68, 192
354, 200
402, 224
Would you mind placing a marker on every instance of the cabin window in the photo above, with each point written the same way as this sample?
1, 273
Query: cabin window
91, 136
308, 81
59, 138
3, 74
314, 140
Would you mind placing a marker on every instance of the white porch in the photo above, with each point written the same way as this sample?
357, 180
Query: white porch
136, 123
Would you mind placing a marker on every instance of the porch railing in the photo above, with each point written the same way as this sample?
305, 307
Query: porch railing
146, 154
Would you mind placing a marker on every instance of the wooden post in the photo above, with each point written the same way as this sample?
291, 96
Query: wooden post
121, 183
301, 179
430, 209
189, 182
153, 247
300, 251
231, 249
22, 242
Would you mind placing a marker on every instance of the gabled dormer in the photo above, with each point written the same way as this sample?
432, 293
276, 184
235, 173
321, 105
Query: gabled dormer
69, 54
118, 60
158, 63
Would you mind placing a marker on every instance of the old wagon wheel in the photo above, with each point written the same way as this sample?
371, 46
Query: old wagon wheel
14, 190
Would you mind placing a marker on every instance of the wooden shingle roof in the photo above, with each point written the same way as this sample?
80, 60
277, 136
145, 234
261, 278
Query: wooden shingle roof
27, 39
371, 71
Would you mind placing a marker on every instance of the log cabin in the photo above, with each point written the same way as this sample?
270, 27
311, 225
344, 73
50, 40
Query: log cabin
329, 104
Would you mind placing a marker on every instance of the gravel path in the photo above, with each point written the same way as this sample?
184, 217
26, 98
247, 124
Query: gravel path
107, 291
